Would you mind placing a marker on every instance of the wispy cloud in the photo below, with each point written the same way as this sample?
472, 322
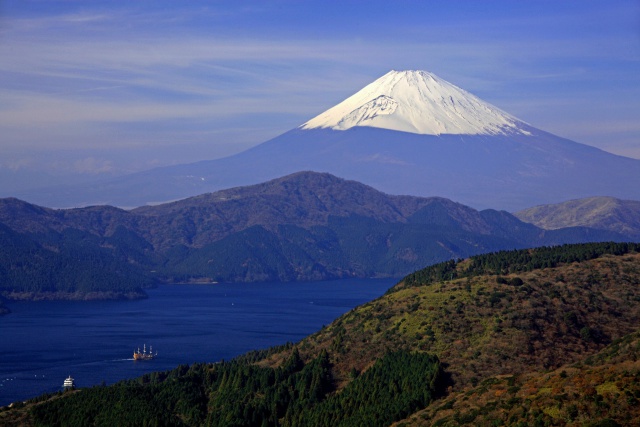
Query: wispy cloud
91, 165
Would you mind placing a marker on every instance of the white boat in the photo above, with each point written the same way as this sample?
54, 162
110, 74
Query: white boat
69, 382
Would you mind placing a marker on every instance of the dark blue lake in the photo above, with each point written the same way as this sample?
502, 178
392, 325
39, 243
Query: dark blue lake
41, 343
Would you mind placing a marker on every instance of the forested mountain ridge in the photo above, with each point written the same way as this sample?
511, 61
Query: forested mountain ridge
546, 336
305, 226
306, 199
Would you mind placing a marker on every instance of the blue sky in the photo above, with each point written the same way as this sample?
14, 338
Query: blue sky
110, 87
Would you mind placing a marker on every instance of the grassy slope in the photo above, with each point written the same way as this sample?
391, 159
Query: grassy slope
486, 332
482, 328
601, 390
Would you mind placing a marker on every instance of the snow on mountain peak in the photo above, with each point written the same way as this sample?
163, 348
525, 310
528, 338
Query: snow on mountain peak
417, 102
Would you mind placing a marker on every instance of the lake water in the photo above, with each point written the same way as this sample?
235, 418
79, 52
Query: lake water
41, 343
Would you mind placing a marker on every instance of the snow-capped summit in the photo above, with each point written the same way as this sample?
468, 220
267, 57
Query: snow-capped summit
417, 102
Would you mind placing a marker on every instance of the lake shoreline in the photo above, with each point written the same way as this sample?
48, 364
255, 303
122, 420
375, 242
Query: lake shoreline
73, 296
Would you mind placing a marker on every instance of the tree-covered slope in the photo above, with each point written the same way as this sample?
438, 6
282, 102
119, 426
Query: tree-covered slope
70, 264
241, 393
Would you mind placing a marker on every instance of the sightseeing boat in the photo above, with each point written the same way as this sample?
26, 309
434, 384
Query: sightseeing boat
143, 355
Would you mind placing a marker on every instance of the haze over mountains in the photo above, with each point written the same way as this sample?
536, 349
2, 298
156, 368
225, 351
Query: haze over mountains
409, 132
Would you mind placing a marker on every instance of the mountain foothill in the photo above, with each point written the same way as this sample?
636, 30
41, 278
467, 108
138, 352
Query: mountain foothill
302, 227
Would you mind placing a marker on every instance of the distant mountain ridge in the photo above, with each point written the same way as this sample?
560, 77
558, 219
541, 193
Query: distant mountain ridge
305, 226
306, 199
604, 213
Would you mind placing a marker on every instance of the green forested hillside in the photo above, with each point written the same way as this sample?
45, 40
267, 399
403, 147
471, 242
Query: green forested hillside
72, 264
242, 393
532, 337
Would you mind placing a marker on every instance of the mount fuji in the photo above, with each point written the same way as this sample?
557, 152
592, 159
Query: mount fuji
417, 102
408, 132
